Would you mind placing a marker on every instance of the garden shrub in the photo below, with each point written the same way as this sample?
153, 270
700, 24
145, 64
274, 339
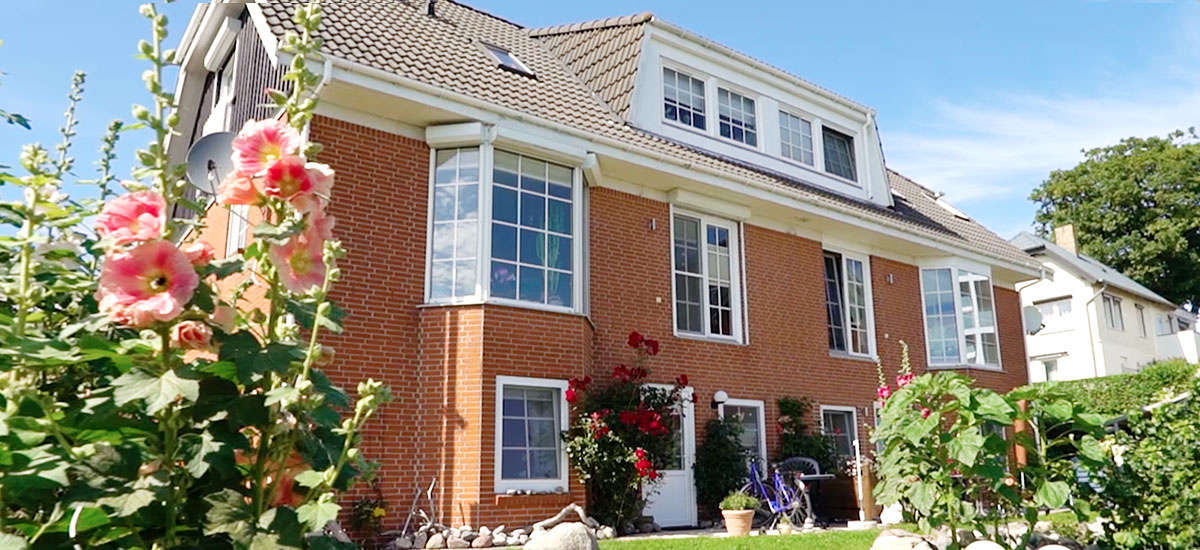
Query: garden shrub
1119, 394
1150, 492
622, 434
720, 465
796, 437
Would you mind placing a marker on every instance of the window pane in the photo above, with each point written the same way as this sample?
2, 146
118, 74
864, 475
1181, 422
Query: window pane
856, 306
464, 278
441, 279
530, 433
719, 283
833, 302
737, 118
683, 99
687, 245
687, 303
513, 464
543, 464
506, 169
468, 202
538, 218
443, 203
455, 229
839, 153
514, 432
941, 320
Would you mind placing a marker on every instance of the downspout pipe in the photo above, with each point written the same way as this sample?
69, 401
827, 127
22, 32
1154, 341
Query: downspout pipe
1092, 340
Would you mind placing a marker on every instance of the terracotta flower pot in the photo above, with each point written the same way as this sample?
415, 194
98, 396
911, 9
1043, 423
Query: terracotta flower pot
737, 522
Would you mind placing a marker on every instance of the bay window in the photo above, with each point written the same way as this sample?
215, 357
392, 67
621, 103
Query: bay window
706, 276
504, 227
847, 303
960, 318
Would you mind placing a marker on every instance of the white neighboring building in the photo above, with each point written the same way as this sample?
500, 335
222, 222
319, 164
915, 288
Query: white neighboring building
1095, 320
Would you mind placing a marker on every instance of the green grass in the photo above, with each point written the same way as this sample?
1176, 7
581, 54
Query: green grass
829, 540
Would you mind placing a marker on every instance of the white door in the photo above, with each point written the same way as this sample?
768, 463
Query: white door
672, 501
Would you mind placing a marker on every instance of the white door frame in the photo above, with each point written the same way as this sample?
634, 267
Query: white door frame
687, 426
854, 441
762, 421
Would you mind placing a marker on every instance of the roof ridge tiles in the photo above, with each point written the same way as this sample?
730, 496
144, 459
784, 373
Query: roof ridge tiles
594, 24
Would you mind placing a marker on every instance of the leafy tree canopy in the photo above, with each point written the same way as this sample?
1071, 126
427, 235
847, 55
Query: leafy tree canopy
1135, 207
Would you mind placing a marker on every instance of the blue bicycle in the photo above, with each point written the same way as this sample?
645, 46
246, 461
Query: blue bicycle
777, 499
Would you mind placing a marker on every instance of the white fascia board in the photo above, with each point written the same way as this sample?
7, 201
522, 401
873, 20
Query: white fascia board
456, 135
369, 120
269, 40
360, 75
222, 43
505, 137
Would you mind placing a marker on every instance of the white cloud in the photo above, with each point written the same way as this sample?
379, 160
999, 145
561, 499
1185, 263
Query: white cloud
1004, 144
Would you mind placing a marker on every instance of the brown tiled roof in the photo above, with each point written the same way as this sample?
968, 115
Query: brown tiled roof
584, 78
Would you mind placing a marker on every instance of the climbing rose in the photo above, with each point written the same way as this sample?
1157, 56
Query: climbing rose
287, 178
134, 217
300, 262
635, 339
191, 335
681, 380
651, 346
884, 392
571, 395
241, 188
146, 284
200, 253
262, 142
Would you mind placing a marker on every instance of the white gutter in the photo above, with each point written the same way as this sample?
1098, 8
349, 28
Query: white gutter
635, 153
1092, 340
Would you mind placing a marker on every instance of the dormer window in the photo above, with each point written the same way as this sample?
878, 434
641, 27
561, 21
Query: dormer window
736, 113
508, 60
795, 138
683, 99
839, 153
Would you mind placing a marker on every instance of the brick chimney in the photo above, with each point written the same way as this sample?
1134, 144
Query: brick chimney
1064, 236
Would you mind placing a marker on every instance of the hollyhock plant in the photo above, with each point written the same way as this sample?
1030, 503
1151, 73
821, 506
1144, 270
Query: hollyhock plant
241, 188
287, 178
262, 142
199, 253
191, 335
300, 262
149, 283
139, 216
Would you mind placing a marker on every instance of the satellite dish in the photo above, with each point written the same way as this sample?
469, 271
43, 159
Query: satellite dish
1032, 318
209, 160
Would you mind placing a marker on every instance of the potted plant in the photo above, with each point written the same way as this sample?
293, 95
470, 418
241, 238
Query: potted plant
738, 511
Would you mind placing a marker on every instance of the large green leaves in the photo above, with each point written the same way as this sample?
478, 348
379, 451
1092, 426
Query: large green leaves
156, 390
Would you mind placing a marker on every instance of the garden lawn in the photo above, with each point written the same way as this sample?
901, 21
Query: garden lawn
829, 540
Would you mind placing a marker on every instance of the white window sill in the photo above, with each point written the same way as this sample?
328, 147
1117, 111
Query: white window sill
535, 487
507, 303
989, 368
710, 339
841, 179
853, 357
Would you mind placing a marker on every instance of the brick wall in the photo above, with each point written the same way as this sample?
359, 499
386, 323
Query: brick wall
441, 362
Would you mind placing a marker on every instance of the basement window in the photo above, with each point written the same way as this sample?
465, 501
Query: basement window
508, 60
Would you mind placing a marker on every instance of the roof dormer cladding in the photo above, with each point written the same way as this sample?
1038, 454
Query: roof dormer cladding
584, 82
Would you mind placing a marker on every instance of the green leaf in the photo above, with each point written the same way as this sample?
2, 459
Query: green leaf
965, 448
126, 504
224, 267
286, 525
992, 406
157, 391
199, 446
1052, 494
916, 431
285, 394
229, 514
12, 542
315, 515
310, 478
1089, 448
1059, 410
923, 496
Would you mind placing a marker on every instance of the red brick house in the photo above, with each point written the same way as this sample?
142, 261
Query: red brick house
514, 201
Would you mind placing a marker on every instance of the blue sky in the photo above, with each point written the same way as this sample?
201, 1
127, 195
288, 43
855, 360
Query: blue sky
978, 99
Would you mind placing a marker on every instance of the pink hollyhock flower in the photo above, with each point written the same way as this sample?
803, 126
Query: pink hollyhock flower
225, 318
321, 223
287, 178
200, 253
134, 217
191, 335
146, 284
321, 176
884, 392
301, 262
262, 142
904, 380
925, 412
241, 188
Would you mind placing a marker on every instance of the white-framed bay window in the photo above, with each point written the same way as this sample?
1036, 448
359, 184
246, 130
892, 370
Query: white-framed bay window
960, 316
848, 303
531, 414
505, 226
706, 268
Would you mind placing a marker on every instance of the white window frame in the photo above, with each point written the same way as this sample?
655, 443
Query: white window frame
1141, 314
812, 127
517, 65
744, 94
854, 153
1114, 317
955, 266
483, 245
235, 228
865, 260
694, 75
762, 419
735, 276
853, 423
539, 485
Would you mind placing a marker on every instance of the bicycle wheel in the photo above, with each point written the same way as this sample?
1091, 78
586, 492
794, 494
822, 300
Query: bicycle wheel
763, 516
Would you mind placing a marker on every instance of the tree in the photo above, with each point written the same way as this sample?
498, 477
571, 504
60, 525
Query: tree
1135, 207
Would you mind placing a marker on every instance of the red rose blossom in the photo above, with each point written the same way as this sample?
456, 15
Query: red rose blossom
635, 339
